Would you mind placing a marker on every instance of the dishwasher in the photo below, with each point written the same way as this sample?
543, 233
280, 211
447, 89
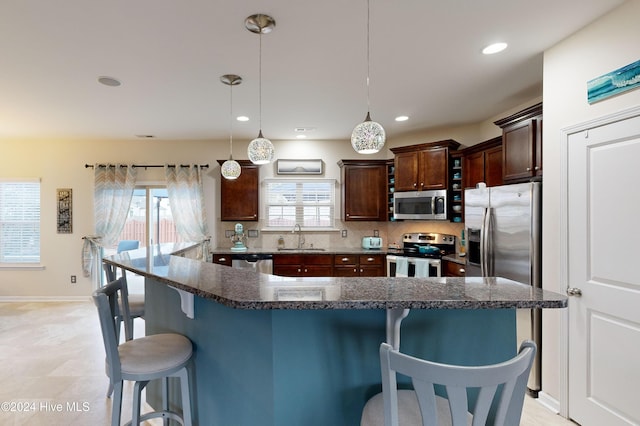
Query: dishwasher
258, 262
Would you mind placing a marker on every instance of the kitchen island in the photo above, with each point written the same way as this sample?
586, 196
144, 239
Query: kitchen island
275, 350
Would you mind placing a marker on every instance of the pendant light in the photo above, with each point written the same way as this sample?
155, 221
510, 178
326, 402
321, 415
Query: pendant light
260, 149
368, 137
231, 169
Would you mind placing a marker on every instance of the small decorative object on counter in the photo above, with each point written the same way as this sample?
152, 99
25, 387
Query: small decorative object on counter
281, 242
238, 238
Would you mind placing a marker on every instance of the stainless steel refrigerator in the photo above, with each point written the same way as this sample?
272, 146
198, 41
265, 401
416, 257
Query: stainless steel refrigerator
504, 232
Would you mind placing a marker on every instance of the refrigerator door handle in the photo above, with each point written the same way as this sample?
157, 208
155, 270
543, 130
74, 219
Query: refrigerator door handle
488, 226
486, 260
483, 243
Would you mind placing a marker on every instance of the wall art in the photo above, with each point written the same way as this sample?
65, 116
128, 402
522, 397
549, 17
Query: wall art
614, 83
65, 205
299, 167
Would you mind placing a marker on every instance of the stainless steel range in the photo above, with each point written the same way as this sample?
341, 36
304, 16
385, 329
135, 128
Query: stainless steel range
421, 245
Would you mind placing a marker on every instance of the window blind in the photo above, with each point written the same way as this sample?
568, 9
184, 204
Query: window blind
20, 221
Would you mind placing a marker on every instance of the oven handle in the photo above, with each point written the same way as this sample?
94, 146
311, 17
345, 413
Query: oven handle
433, 204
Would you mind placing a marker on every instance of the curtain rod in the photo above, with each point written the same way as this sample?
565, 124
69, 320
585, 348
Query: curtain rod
202, 166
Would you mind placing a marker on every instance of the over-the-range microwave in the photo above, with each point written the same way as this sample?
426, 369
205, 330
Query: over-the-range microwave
421, 205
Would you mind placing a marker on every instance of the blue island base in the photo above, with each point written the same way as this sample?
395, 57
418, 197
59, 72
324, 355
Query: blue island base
309, 367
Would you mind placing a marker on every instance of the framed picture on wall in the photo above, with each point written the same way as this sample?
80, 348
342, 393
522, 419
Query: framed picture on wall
64, 198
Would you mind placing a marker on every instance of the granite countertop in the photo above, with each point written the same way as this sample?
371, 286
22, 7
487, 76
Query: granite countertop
246, 289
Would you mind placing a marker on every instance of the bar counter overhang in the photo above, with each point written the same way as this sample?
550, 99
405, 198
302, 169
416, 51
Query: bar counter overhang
275, 350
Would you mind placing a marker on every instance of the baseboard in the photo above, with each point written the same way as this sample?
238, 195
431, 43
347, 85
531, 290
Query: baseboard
45, 299
548, 402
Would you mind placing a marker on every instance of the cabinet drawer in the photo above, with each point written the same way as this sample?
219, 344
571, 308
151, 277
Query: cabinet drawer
371, 259
345, 259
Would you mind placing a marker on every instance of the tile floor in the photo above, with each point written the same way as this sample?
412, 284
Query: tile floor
52, 370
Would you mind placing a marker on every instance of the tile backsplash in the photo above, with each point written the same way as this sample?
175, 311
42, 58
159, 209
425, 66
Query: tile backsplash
391, 232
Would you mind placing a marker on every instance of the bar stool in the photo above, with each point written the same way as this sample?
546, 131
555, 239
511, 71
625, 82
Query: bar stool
136, 303
423, 407
158, 356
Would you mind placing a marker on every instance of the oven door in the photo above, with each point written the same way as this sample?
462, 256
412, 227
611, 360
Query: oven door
420, 205
434, 267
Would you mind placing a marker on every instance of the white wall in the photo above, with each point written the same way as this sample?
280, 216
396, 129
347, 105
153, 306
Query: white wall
607, 44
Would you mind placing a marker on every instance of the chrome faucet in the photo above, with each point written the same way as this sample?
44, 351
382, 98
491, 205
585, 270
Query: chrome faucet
300, 236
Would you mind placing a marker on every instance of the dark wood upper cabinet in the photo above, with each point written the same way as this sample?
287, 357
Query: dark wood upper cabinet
483, 163
239, 197
364, 190
424, 166
522, 145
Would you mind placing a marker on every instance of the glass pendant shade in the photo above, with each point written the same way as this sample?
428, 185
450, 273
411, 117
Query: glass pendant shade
368, 137
260, 150
230, 169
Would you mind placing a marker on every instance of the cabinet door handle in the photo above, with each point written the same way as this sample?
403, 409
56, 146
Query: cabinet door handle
462, 271
415, 184
355, 269
222, 259
536, 168
370, 259
299, 270
345, 259
528, 169
306, 270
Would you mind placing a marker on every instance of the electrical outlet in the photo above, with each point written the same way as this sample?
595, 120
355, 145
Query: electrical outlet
228, 233
344, 233
376, 233
73, 279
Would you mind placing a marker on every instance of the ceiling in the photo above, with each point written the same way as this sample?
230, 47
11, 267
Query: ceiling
425, 62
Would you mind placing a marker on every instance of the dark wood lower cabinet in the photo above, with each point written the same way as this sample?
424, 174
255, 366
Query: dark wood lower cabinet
452, 269
303, 265
329, 265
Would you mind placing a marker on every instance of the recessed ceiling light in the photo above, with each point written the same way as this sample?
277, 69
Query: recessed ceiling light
301, 136
402, 118
109, 81
242, 118
494, 48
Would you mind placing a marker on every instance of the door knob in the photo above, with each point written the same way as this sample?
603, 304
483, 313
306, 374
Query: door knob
574, 291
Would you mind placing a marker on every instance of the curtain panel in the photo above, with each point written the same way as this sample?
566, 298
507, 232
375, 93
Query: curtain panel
186, 198
113, 191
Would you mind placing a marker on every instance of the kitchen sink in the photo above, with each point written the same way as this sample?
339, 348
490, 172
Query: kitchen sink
300, 249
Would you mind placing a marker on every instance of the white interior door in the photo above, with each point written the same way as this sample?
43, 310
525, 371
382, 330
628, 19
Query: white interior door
603, 257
